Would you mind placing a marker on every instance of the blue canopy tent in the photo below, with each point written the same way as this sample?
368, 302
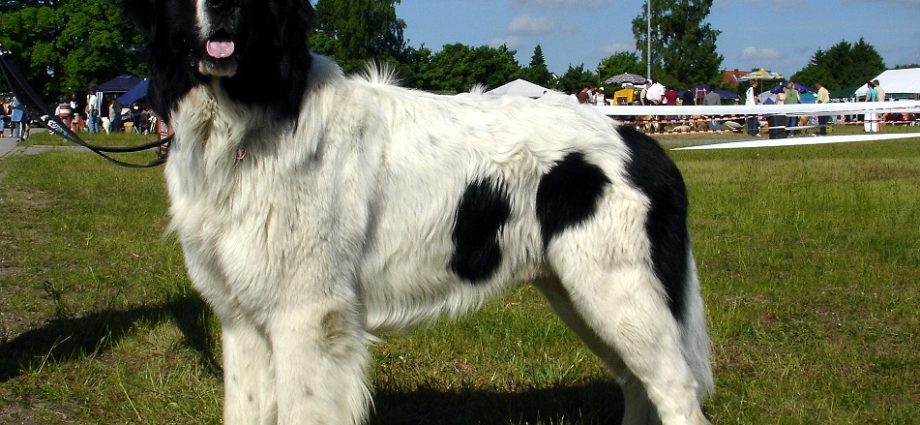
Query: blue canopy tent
119, 84
139, 91
727, 95
798, 87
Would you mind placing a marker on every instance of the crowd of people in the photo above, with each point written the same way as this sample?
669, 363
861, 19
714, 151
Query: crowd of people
90, 113
790, 93
93, 114
13, 115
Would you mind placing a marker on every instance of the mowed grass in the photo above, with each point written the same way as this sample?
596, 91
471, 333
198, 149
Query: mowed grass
809, 258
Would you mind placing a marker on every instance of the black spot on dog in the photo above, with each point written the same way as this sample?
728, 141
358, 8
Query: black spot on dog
568, 194
483, 211
651, 171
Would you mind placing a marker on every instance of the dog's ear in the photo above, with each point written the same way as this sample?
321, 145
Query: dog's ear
298, 13
309, 17
142, 13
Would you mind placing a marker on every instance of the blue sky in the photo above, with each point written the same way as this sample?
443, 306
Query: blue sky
781, 35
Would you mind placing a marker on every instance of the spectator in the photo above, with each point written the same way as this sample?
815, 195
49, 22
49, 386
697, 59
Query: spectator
20, 121
751, 99
64, 112
871, 119
880, 90
644, 93
655, 93
688, 98
583, 96
92, 112
824, 97
670, 97
712, 99
791, 98
881, 98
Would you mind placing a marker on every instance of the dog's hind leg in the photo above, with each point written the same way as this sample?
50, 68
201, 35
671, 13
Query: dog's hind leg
320, 355
637, 407
617, 307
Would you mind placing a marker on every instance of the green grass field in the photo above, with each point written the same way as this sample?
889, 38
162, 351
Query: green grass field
809, 259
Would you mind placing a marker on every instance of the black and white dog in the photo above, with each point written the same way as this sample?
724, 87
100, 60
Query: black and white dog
315, 208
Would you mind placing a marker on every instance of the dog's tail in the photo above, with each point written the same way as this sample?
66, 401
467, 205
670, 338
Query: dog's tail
694, 336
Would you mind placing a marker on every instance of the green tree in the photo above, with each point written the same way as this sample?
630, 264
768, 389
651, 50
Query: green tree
576, 78
619, 63
683, 44
843, 65
69, 45
355, 31
537, 72
458, 67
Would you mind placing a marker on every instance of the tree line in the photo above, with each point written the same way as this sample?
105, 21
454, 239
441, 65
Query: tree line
69, 45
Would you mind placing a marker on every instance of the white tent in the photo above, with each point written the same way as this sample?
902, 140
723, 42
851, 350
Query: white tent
900, 83
520, 87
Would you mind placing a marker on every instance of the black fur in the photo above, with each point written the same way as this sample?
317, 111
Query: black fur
652, 171
272, 65
568, 194
483, 211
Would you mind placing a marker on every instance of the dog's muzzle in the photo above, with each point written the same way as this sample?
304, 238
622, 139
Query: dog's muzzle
220, 58
217, 21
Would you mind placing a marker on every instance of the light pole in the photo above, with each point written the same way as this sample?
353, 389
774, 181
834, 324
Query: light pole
648, 40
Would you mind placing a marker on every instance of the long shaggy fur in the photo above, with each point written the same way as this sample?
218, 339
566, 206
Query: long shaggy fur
315, 209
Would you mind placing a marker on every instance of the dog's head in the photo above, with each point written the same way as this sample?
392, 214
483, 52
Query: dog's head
257, 49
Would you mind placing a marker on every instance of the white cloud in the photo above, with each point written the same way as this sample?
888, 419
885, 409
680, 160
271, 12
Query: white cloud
532, 25
761, 53
512, 41
611, 49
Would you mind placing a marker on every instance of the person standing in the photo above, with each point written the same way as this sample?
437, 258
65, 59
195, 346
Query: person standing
792, 98
712, 99
871, 118
644, 92
824, 97
583, 96
655, 93
880, 90
74, 123
881, 98
751, 99
92, 113
20, 124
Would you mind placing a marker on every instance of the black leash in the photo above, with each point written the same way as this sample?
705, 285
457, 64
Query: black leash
32, 105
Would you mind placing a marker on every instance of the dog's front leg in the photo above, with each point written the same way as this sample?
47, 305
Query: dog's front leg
320, 357
249, 384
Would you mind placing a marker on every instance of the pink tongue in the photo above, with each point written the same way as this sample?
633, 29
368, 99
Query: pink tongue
219, 49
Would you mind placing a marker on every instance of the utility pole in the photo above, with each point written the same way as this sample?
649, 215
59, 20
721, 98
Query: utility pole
648, 40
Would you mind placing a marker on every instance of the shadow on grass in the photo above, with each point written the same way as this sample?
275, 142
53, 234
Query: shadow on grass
592, 403
65, 340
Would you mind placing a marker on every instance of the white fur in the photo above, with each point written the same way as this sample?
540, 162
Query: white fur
341, 225
205, 27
